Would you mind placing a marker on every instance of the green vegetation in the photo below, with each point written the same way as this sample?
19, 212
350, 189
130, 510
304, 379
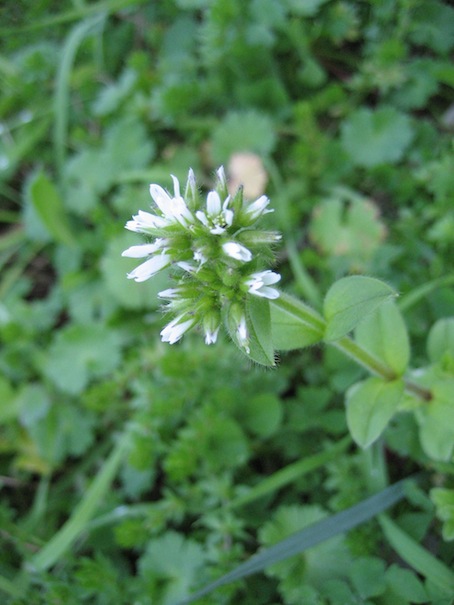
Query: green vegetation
136, 472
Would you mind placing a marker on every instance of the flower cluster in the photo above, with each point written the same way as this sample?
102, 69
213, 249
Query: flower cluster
216, 253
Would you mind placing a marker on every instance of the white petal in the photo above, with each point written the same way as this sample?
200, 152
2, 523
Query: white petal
175, 329
170, 293
202, 217
176, 186
211, 336
150, 267
265, 292
143, 249
161, 199
213, 204
187, 266
221, 175
258, 208
237, 251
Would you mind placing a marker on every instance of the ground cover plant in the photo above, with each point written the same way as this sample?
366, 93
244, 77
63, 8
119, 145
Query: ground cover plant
285, 432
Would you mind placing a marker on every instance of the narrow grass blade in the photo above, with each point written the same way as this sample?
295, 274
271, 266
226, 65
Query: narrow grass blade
77, 523
417, 556
310, 536
291, 472
104, 6
61, 100
414, 296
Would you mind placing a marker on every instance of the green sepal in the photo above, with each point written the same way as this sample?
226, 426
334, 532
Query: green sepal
350, 300
370, 406
258, 319
384, 333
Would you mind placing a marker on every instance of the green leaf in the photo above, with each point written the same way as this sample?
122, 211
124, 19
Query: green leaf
376, 137
404, 583
347, 226
79, 353
441, 339
259, 326
169, 567
350, 300
309, 537
370, 406
384, 334
368, 576
243, 131
261, 414
444, 502
49, 206
289, 328
436, 420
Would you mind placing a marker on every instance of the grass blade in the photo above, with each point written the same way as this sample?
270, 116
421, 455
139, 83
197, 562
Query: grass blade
310, 536
417, 556
77, 523
61, 101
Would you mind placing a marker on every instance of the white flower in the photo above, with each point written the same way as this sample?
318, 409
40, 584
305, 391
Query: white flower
237, 251
170, 293
211, 325
218, 217
257, 208
259, 284
143, 250
144, 222
150, 267
176, 328
211, 336
173, 208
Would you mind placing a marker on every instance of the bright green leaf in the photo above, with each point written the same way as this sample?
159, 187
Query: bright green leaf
441, 339
384, 334
350, 300
370, 406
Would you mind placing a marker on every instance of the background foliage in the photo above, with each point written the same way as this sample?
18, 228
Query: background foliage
349, 107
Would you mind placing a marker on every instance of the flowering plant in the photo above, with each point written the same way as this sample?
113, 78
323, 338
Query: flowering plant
219, 259
217, 256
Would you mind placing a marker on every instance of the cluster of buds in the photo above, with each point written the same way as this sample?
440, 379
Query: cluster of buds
215, 251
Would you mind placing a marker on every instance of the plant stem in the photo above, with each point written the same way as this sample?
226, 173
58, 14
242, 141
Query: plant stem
312, 319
